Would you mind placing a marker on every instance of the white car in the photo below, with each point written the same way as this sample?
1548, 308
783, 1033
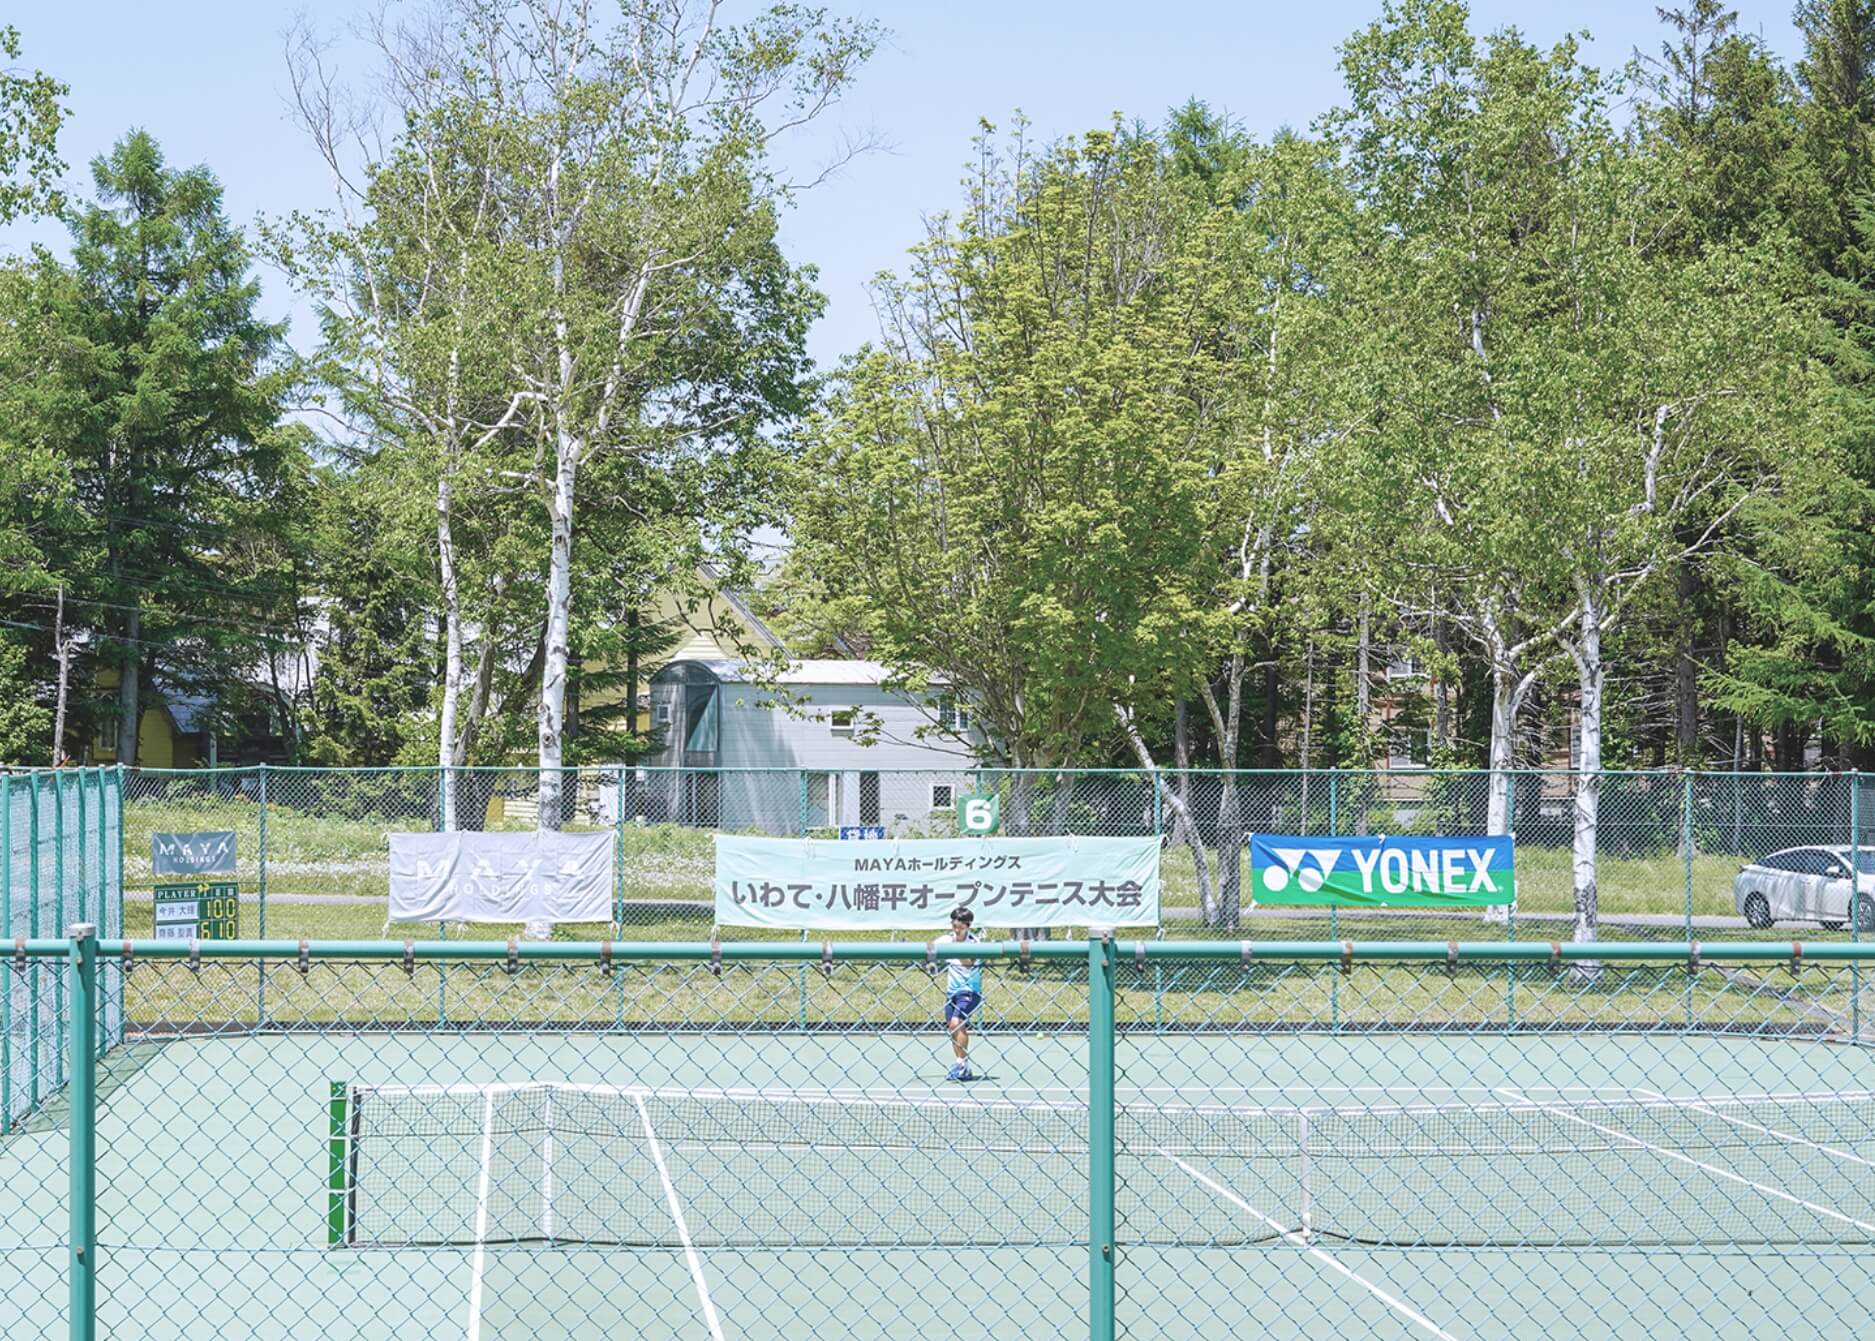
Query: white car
1806, 884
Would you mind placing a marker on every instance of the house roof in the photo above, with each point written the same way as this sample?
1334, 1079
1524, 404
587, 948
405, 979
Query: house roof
824, 671
736, 601
188, 712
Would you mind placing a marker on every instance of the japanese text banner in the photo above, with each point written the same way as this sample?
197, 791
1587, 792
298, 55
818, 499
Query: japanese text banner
1383, 872
887, 884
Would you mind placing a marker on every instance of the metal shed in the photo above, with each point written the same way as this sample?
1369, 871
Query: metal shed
823, 744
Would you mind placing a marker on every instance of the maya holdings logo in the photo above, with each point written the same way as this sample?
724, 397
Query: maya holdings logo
1307, 878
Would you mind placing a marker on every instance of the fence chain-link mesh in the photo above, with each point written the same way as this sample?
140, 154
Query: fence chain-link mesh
1488, 1149
695, 1140
554, 1150
1657, 855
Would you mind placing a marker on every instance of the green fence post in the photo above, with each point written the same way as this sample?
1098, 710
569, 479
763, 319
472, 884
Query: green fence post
6, 930
1686, 863
1855, 900
260, 898
618, 853
117, 925
1158, 968
801, 774
1510, 913
79, 795
1100, 1122
83, 958
59, 1020
33, 929
1334, 984
804, 984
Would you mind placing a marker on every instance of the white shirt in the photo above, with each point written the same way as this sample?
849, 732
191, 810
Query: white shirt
964, 975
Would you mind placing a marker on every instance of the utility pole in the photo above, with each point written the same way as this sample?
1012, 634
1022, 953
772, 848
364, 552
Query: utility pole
62, 649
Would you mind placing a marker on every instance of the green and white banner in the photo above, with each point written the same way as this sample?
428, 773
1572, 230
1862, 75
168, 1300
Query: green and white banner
1382, 872
903, 883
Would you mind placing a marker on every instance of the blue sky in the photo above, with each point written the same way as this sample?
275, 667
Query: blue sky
208, 79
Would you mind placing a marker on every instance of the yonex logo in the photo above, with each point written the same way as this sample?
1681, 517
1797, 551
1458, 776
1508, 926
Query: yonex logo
1308, 878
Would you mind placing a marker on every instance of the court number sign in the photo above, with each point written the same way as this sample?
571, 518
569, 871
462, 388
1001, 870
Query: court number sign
979, 814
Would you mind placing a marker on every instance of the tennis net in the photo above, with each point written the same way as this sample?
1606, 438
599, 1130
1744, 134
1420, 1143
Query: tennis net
573, 1164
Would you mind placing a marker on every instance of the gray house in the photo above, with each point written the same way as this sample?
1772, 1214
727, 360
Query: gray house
827, 746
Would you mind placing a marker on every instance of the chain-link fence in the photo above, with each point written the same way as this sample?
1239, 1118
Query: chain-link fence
1675, 855
1157, 1138
62, 833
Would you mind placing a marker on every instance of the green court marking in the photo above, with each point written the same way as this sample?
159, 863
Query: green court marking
335, 1172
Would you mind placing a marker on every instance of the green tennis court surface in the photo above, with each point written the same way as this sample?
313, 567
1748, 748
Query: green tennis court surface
549, 1185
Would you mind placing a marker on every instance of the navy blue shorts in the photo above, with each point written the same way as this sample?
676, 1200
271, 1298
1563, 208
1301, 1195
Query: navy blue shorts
958, 1005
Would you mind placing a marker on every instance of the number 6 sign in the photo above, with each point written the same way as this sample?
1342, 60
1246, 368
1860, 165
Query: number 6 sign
979, 813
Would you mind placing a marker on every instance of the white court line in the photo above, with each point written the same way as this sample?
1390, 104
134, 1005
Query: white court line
683, 1230
481, 1219
1393, 1302
1413, 1100
1699, 1106
1763, 1189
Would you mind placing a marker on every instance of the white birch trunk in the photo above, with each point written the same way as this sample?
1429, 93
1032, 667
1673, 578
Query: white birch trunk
1184, 828
1364, 713
1586, 651
1503, 735
449, 743
552, 719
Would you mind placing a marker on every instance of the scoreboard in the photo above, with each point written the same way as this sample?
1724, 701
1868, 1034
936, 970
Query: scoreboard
201, 900
198, 910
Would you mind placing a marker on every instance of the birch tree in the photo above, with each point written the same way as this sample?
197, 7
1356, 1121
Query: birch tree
1459, 152
1584, 406
406, 268
652, 311
566, 246
1279, 408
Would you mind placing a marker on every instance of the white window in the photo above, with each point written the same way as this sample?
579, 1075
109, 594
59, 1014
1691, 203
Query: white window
661, 714
1408, 747
950, 713
840, 722
943, 796
823, 800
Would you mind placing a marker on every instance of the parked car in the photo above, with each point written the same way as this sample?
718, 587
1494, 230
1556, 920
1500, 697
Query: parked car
1806, 884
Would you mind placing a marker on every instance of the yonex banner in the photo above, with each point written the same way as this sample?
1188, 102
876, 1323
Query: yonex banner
826, 884
1384, 872
501, 877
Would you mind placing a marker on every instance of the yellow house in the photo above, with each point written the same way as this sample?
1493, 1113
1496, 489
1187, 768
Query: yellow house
170, 733
715, 623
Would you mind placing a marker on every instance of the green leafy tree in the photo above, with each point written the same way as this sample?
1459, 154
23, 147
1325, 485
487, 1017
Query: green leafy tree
1604, 408
171, 405
30, 118
604, 218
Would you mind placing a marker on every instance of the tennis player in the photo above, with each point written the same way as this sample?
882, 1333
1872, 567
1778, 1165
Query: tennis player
963, 992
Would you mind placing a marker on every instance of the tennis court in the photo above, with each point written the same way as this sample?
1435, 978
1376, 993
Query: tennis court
543, 1184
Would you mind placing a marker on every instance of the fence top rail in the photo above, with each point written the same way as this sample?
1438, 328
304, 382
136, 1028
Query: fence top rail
1346, 953
966, 767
